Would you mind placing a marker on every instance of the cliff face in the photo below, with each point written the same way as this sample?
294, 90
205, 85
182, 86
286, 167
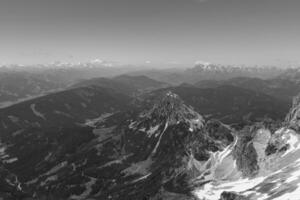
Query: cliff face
266, 160
293, 118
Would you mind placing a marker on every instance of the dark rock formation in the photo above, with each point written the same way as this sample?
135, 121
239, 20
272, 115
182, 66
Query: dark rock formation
231, 196
293, 118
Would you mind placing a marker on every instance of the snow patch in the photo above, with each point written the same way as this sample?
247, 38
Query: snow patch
157, 144
62, 113
284, 185
57, 168
152, 130
14, 119
10, 160
2, 151
119, 161
88, 190
141, 178
100, 119
293, 140
213, 190
49, 179
139, 168
36, 112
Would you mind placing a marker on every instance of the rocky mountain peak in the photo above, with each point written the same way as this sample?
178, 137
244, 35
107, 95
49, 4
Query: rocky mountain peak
168, 104
171, 108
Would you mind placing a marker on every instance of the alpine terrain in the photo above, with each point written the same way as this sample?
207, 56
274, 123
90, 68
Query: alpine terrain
94, 142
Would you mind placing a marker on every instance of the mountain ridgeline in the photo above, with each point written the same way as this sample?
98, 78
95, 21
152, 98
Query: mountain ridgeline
20, 83
137, 138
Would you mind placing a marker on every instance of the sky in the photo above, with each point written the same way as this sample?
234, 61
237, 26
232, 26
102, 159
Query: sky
251, 32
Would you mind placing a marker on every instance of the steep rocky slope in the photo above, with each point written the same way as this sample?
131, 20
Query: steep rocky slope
160, 148
153, 154
265, 160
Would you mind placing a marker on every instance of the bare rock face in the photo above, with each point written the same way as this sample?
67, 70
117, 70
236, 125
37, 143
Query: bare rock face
293, 117
173, 142
231, 196
266, 161
245, 153
172, 108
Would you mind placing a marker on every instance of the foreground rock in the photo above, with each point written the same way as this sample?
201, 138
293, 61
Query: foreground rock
267, 164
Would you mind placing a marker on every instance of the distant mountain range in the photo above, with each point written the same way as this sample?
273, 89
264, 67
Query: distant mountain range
124, 84
138, 137
19, 83
16, 86
281, 87
211, 72
291, 74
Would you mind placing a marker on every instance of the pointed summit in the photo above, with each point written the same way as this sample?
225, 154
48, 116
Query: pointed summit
168, 104
171, 109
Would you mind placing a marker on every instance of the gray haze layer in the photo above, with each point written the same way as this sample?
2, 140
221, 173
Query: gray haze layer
160, 31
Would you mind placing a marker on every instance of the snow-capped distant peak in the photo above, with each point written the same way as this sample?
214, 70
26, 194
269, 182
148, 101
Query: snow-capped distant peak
99, 61
102, 62
199, 62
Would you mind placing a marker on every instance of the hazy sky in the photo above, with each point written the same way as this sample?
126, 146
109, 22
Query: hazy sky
135, 31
